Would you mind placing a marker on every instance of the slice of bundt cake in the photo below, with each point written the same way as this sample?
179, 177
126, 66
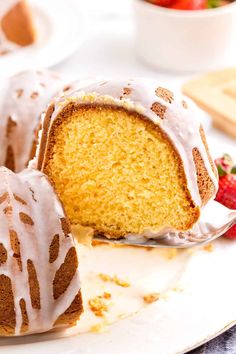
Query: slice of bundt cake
127, 157
16, 25
23, 98
39, 279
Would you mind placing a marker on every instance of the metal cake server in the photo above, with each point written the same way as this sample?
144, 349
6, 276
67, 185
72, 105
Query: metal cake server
215, 220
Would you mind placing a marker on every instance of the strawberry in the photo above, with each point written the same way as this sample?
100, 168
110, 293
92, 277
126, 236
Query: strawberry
162, 3
189, 5
226, 194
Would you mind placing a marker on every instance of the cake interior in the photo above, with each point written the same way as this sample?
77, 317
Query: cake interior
115, 171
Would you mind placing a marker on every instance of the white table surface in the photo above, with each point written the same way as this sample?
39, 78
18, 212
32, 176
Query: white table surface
109, 51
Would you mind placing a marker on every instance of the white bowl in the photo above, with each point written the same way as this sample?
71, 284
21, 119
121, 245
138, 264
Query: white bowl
181, 40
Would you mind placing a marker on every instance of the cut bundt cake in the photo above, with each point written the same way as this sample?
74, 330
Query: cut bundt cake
16, 25
23, 98
127, 157
39, 279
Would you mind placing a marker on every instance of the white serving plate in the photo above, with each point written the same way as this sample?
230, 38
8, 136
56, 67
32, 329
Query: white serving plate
197, 302
61, 29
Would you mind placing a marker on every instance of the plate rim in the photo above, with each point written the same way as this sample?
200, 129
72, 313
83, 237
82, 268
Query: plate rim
48, 58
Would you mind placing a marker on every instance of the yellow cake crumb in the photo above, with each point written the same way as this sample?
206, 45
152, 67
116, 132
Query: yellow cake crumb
105, 277
114, 279
209, 247
171, 253
152, 297
121, 282
178, 289
106, 295
98, 328
98, 306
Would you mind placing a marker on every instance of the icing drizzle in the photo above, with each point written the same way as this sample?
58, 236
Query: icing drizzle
34, 217
23, 98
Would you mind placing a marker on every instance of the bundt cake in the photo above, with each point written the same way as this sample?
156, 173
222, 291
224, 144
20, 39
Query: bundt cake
39, 279
127, 157
23, 98
17, 28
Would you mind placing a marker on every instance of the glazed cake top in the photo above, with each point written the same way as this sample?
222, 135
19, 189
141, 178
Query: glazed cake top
176, 115
34, 243
23, 98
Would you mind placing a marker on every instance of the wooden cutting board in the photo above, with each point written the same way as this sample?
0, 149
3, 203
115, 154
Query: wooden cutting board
216, 94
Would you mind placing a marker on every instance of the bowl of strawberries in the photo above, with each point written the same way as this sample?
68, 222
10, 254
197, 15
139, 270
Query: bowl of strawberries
186, 35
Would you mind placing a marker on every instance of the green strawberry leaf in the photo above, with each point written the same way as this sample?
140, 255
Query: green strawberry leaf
233, 171
221, 171
211, 4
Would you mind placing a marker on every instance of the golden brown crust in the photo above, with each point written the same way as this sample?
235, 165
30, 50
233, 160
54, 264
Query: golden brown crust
165, 94
7, 307
10, 158
203, 136
19, 199
54, 248
10, 125
34, 142
159, 109
65, 273
15, 245
3, 254
3, 197
205, 184
43, 140
72, 314
33, 285
24, 315
65, 226
25, 219
18, 26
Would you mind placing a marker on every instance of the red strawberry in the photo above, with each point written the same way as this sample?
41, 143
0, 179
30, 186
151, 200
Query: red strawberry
189, 5
162, 3
226, 194
231, 233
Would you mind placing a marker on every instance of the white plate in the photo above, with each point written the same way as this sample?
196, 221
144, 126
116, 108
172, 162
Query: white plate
197, 302
61, 29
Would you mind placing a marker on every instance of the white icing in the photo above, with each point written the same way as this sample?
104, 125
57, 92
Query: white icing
25, 110
45, 209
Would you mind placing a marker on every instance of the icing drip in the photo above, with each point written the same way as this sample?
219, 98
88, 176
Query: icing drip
29, 193
178, 117
23, 98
